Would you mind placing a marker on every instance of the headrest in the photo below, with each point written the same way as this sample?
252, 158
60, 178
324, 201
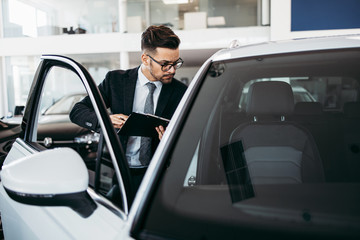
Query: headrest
308, 108
272, 97
352, 109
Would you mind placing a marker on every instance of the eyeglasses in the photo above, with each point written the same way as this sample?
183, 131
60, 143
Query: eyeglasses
167, 66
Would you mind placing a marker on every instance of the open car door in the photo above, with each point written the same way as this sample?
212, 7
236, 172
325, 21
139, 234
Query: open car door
58, 180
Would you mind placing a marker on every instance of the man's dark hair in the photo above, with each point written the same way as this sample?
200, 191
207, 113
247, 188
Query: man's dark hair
159, 36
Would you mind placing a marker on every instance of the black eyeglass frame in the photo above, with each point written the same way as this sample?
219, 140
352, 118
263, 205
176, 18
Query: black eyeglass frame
166, 66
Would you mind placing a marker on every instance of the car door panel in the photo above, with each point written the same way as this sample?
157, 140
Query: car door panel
22, 221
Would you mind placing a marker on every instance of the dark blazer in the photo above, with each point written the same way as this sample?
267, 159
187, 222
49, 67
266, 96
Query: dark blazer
118, 90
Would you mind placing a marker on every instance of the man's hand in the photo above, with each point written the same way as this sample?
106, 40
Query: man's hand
160, 129
118, 120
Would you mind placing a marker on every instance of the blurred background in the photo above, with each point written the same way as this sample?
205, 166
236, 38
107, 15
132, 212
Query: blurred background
105, 35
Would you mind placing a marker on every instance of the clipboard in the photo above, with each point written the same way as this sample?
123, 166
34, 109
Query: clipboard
141, 124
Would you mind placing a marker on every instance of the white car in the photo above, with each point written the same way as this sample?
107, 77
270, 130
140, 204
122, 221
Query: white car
273, 169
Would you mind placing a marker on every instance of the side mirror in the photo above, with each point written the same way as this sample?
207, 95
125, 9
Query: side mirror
56, 177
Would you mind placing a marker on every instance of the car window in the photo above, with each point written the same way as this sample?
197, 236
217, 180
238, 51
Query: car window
64, 104
270, 143
54, 128
61, 91
330, 94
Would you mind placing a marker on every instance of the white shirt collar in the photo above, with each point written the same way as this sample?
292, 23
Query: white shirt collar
143, 80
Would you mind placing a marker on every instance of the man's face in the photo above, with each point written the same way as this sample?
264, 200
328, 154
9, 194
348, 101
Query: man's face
153, 69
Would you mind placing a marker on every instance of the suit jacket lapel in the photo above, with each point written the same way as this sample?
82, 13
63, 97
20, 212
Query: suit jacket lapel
129, 90
164, 97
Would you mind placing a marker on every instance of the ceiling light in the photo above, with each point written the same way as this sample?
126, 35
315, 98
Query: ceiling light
175, 1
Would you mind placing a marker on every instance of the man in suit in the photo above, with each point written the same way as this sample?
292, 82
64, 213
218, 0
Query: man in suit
126, 91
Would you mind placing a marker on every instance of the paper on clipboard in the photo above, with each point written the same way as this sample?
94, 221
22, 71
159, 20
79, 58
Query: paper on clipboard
141, 124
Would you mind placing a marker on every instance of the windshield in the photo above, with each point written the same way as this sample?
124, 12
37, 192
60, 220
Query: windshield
271, 142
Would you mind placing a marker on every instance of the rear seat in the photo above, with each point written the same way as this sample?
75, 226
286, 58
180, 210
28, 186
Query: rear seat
327, 133
308, 108
351, 133
310, 115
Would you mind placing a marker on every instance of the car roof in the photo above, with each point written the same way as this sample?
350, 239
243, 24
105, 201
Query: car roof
288, 46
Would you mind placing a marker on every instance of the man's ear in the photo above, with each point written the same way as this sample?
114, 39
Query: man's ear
145, 59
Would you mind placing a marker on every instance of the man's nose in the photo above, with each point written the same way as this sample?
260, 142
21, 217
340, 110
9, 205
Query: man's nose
172, 69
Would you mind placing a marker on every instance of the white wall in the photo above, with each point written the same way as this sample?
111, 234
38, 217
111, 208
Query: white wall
95, 16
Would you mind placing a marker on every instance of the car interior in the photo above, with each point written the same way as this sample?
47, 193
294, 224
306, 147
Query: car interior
274, 161
276, 150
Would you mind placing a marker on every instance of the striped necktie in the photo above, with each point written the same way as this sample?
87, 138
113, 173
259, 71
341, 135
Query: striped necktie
145, 146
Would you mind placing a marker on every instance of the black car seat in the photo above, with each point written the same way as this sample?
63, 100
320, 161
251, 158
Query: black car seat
277, 151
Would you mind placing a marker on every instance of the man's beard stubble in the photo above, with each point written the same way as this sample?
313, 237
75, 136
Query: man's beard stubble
161, 79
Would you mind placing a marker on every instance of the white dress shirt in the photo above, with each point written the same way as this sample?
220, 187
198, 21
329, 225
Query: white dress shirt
141, 92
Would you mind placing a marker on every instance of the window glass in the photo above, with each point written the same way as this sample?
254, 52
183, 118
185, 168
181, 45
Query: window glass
276, 147
106, 182
331, 92
98, 64
194, 14
20, 72
25, 18
230, 13
63, 105
61, 91
60, 83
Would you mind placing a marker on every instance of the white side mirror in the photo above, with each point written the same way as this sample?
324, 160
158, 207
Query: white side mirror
55, 177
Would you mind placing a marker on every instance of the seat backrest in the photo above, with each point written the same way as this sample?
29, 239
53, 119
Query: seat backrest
276, 151
272, 98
